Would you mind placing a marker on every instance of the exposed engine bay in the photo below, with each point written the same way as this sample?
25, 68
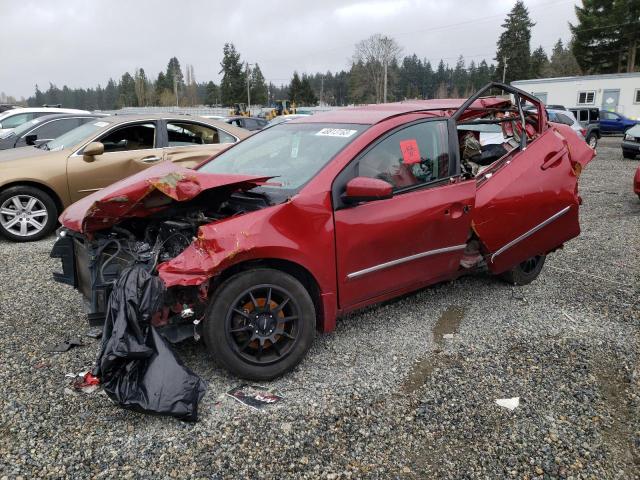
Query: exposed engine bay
150, 241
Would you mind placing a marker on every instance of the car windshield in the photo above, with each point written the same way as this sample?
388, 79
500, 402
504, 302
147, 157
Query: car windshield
75, 136
293, 153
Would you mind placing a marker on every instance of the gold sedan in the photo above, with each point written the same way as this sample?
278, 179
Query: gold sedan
37, 183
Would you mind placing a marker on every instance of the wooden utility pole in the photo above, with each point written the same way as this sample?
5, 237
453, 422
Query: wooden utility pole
248, 91
504, 68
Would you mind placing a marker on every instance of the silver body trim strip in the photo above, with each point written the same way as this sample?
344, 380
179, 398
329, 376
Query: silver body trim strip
399, 261
530, 232
89, 190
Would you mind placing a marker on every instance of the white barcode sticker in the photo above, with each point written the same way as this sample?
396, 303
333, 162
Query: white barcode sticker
336, 132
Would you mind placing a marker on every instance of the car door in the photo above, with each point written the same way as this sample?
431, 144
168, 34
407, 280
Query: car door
529, 206
413, 238
610, 122
189, 143
128, 149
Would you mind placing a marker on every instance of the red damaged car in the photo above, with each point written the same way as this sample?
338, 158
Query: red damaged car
287, 230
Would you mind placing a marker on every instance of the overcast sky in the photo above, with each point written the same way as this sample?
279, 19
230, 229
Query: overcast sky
81, 43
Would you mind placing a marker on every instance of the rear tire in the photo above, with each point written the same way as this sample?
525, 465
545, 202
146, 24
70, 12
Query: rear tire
592, 140
26, 214
525, 272
260, 323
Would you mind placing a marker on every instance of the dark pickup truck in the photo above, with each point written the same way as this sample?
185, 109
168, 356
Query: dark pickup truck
589, 118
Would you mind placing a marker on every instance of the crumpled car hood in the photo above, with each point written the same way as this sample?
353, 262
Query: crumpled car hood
145, 193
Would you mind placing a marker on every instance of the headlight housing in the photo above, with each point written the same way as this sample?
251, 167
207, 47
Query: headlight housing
629, 137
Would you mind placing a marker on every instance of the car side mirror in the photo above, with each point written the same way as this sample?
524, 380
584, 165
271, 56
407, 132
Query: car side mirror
31, 139
365, 189
92, 150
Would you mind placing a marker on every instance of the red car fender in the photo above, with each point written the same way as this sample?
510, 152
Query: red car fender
636, 182
299, 231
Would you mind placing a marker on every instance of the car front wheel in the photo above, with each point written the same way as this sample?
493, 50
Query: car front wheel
629, 155
260, 323
592, 140
525, 272
26, 213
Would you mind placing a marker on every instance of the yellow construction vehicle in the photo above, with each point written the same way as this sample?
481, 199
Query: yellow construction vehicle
282, 107
239, 110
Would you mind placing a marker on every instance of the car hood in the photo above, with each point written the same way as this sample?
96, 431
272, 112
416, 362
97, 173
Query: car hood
634, 131
12, 154
148, 192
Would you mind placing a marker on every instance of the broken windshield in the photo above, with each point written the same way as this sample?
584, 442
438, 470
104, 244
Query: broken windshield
291, 152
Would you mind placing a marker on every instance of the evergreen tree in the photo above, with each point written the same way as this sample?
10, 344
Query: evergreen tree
110, 95
258, 86
295, 89
212, 94
607, 35
539, 63
307, 95
127, 91
563, 63
513, 44
233, 87
174, 78
140, 79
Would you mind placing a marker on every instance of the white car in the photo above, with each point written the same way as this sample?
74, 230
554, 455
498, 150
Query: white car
566, 117
15, 117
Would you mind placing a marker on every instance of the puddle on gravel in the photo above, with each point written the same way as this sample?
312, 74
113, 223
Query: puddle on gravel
449, 322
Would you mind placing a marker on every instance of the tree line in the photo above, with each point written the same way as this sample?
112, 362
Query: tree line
604, 40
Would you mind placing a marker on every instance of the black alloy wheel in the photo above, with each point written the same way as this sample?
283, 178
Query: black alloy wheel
260, 323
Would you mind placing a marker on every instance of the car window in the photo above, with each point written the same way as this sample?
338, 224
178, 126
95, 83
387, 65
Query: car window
583, 115
411, 156
226, 137
562, 118
183, 134
130, 137
55, 128
609, 116
249, 123
17, 120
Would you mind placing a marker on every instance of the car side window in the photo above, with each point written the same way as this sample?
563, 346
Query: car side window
225, 137
16, 120
564, 119
132, 137
411, 156
55, 128
184, 134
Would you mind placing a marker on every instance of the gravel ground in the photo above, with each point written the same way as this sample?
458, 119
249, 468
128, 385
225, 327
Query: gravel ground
391, 393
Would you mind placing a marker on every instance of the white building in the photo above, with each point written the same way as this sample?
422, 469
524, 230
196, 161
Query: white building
617, 92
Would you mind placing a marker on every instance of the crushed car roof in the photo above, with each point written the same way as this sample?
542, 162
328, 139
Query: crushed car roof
370, 114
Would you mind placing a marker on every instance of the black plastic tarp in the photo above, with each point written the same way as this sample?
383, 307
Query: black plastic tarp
136, 365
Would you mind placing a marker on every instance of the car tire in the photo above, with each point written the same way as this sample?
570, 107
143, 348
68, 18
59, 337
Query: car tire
592, 140
629, 155
35, 210
525, 272
246, 333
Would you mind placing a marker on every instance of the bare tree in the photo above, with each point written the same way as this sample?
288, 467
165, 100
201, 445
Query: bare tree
375, 54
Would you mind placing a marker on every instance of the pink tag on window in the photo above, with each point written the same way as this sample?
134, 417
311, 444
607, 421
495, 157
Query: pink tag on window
410, 152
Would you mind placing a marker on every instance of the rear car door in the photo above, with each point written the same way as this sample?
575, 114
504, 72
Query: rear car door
416, 237
529, 205
189, 143
128, 149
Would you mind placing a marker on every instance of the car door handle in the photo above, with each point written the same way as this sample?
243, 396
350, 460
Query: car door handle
152, 159
552, 159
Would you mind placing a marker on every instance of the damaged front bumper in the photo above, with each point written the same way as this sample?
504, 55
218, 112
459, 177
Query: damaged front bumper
80, 271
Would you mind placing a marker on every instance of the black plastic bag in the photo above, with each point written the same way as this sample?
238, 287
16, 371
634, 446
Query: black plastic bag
136, 365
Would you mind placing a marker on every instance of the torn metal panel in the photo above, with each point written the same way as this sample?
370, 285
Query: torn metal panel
145, 193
